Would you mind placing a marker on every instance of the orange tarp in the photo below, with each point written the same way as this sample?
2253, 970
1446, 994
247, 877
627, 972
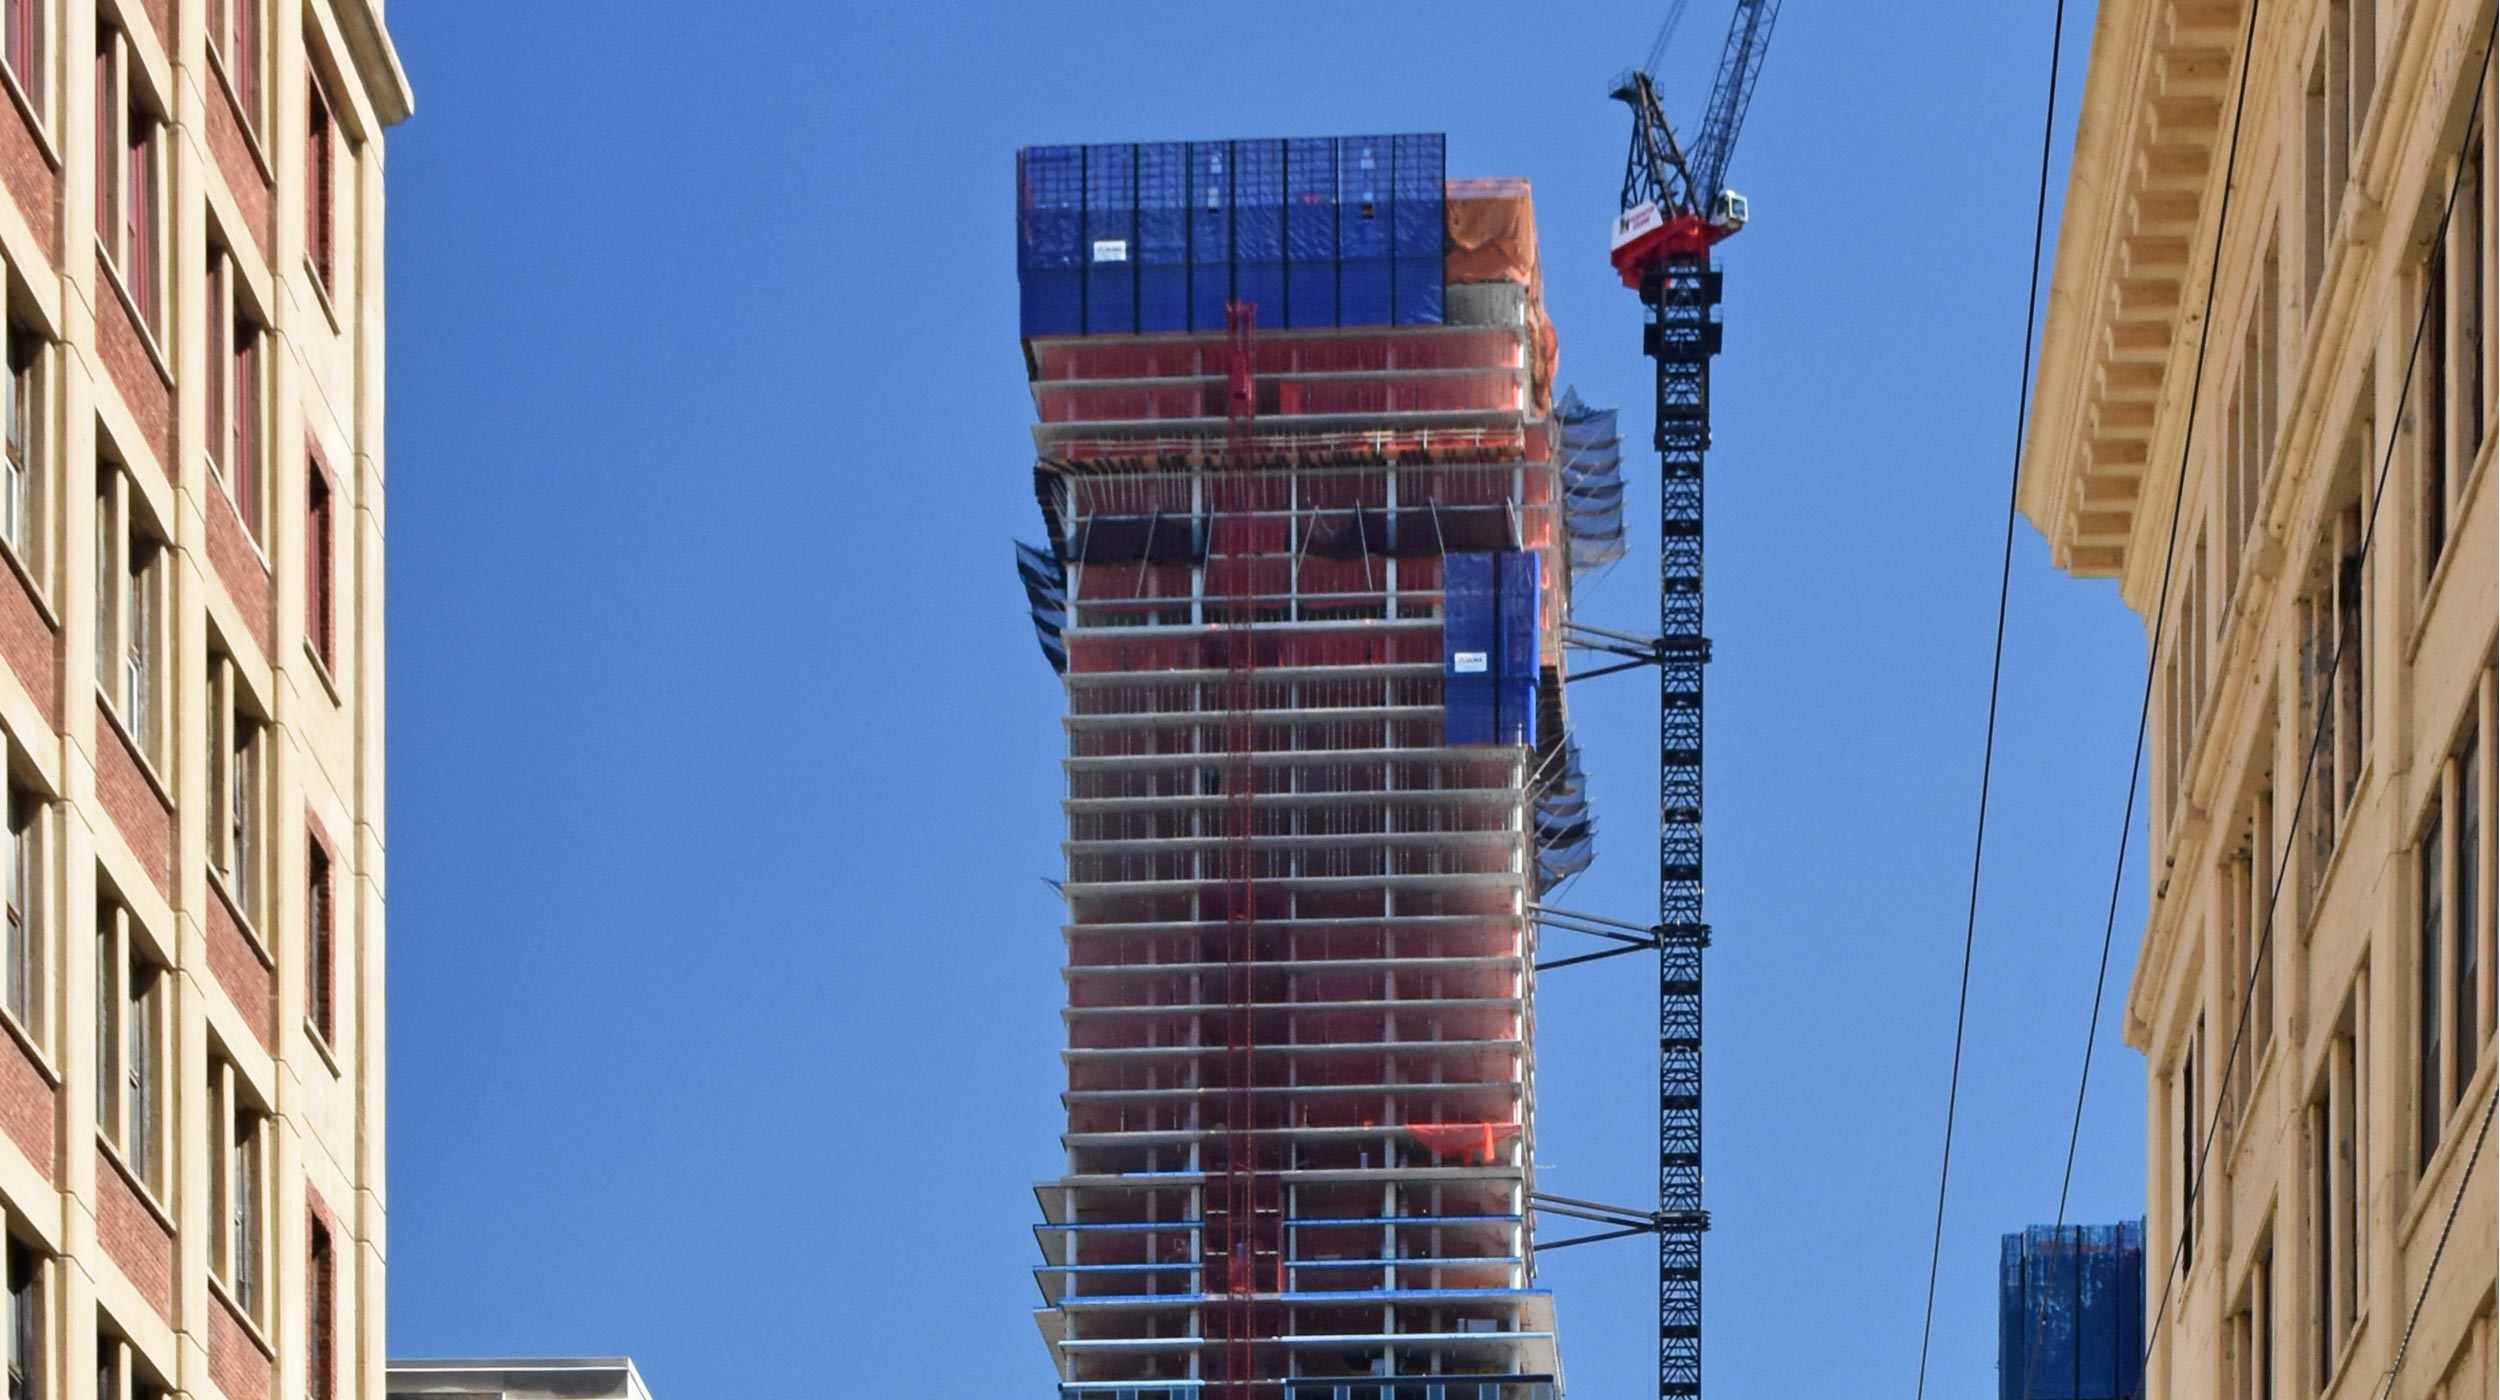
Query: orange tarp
1492, 232
1492, 238
1463, 1140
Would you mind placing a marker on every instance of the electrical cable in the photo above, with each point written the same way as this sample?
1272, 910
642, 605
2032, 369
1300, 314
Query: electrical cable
1996, 673
2258, 965
1666, 36
2396, 1365
2152, 668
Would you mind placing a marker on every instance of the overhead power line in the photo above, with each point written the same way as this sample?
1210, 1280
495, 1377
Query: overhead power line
1996, 673
2161, 618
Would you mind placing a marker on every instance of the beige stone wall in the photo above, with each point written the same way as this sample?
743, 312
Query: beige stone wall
126, 1238
2330, 1176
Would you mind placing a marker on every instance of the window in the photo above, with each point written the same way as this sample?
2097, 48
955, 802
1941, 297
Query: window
129, 178
119, 1372
235, 35
320, 1314
238, 391
19, 488
2337, 1171
130, 610
321, 185
2246, 893
2343, 74
2456, 290
25, 1322
237, 788
2334, 664
2252, 1330
320, 567
238, 1187
2451, 1018
2250, 423
2429, 1062
2183, 679
131, 1046
2191, 1121
22, 46
21, 989
320, 943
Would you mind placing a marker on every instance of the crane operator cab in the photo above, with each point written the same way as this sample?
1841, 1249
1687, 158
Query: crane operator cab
1728, 212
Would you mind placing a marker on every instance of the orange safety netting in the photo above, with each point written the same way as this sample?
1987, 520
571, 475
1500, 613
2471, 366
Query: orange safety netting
1492, 238
1464, 1140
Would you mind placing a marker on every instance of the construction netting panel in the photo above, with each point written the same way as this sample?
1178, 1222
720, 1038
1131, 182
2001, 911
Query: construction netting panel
1140, 238
1589, 451
2070, 1313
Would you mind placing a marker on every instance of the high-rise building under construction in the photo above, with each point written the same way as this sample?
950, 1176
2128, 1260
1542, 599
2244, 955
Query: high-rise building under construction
1313, 519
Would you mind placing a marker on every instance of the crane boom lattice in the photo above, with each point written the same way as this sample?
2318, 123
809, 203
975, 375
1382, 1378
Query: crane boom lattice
1675, 209
1681, 298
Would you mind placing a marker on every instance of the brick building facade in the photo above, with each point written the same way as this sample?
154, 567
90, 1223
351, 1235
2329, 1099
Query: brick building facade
191, 1070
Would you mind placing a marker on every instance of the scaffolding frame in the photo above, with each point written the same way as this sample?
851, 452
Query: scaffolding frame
1301, 947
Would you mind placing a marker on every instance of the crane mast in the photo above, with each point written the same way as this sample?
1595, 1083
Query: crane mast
1675, 208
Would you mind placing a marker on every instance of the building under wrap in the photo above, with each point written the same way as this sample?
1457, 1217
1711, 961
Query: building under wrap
1312, 521
2070, 1313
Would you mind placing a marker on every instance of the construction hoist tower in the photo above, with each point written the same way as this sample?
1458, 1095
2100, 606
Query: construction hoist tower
1675, 207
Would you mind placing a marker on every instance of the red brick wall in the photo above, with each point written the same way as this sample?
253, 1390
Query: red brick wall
240, 969
134, 1239
29, 645
146, 390
145, 820
30, 177
236, 162
342, 1266
235, 1360
239, 567
28, 1107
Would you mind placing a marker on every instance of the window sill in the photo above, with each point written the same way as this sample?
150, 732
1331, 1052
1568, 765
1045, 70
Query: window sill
26, 106
2461, 512
251, 1325
251, 935
321, 294
2321, 893
2346, 1350
34, 1051
2452, 1140
146, 1194
147, 333
26, 576
321, 1047
2259, 1076
225, 492
138, 752
321, 671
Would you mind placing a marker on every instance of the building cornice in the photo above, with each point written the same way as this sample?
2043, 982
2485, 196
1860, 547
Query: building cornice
2139, 200
369, 47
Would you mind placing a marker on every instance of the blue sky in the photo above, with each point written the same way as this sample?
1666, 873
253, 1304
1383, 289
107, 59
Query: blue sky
723, 768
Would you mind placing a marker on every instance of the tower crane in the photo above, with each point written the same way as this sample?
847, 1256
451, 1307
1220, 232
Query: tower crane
1675, 207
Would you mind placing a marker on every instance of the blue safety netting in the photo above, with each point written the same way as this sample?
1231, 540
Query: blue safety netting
1045, 582
1591, 453
1566, 833
2070, 1313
